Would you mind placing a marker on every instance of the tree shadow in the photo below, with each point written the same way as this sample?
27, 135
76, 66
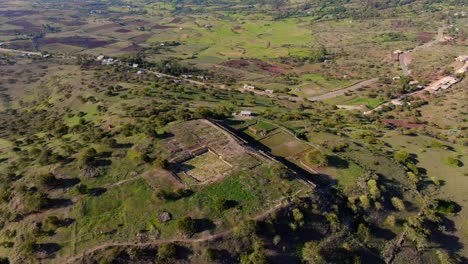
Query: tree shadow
58, 203
383, 233
67, 183
183, 252
49, 249
446, 241
203, 224
338, 162
97, 191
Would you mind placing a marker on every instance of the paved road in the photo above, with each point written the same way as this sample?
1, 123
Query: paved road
336, 93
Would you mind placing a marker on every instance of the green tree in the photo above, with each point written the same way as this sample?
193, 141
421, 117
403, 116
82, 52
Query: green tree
187, 226
401, 156
365, 202
298, 216
363, 233
398, 204
373, 189
317, 158
258, 256
47, 180
167, 252
311, 253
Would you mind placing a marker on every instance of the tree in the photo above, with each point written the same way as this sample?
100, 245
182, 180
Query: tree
311, 253
279, 170
413, 179
222, 204
187, 226
47, 180
401, 156
89, 157
258, 256
297, 215
398, 204
444, 257
246, 228
373, 189
162, 163
4, 260
365, 202
167, 251
52, 222
363, 233
317, 158
82, 188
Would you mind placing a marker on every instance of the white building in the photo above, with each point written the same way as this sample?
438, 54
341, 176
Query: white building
249, 87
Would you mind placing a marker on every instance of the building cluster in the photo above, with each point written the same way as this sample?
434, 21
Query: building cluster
442, 84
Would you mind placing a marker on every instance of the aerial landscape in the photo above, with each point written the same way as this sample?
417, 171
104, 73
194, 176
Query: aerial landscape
229, 131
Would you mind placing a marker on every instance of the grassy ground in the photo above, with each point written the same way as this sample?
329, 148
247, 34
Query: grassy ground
454, 183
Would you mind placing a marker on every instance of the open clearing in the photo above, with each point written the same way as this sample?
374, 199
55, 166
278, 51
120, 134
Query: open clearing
205, 167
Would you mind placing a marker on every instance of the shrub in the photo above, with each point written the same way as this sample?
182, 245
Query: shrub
317, 158
401, 156
447, 207
187, 226
363, 233
453, 162
167, 251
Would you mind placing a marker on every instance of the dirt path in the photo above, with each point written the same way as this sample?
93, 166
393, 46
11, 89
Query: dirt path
29, 53
403, 58
280, 205
337, 93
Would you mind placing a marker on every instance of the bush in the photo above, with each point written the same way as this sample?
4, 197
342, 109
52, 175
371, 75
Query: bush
187, 226
447, 207
401, 156
47, 180
167, 251
317, 158
454, 162
398, 204
363, 233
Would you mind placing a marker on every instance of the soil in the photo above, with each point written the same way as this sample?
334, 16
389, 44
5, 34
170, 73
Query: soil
161, 27
17, 13
141, 38
83, 42
401, 123
123, 30
132, 48
176, 20
425, 36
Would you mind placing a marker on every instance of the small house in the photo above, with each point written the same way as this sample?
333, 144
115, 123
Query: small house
269, 91
100, 58
249, 87
246, 113
462, 58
